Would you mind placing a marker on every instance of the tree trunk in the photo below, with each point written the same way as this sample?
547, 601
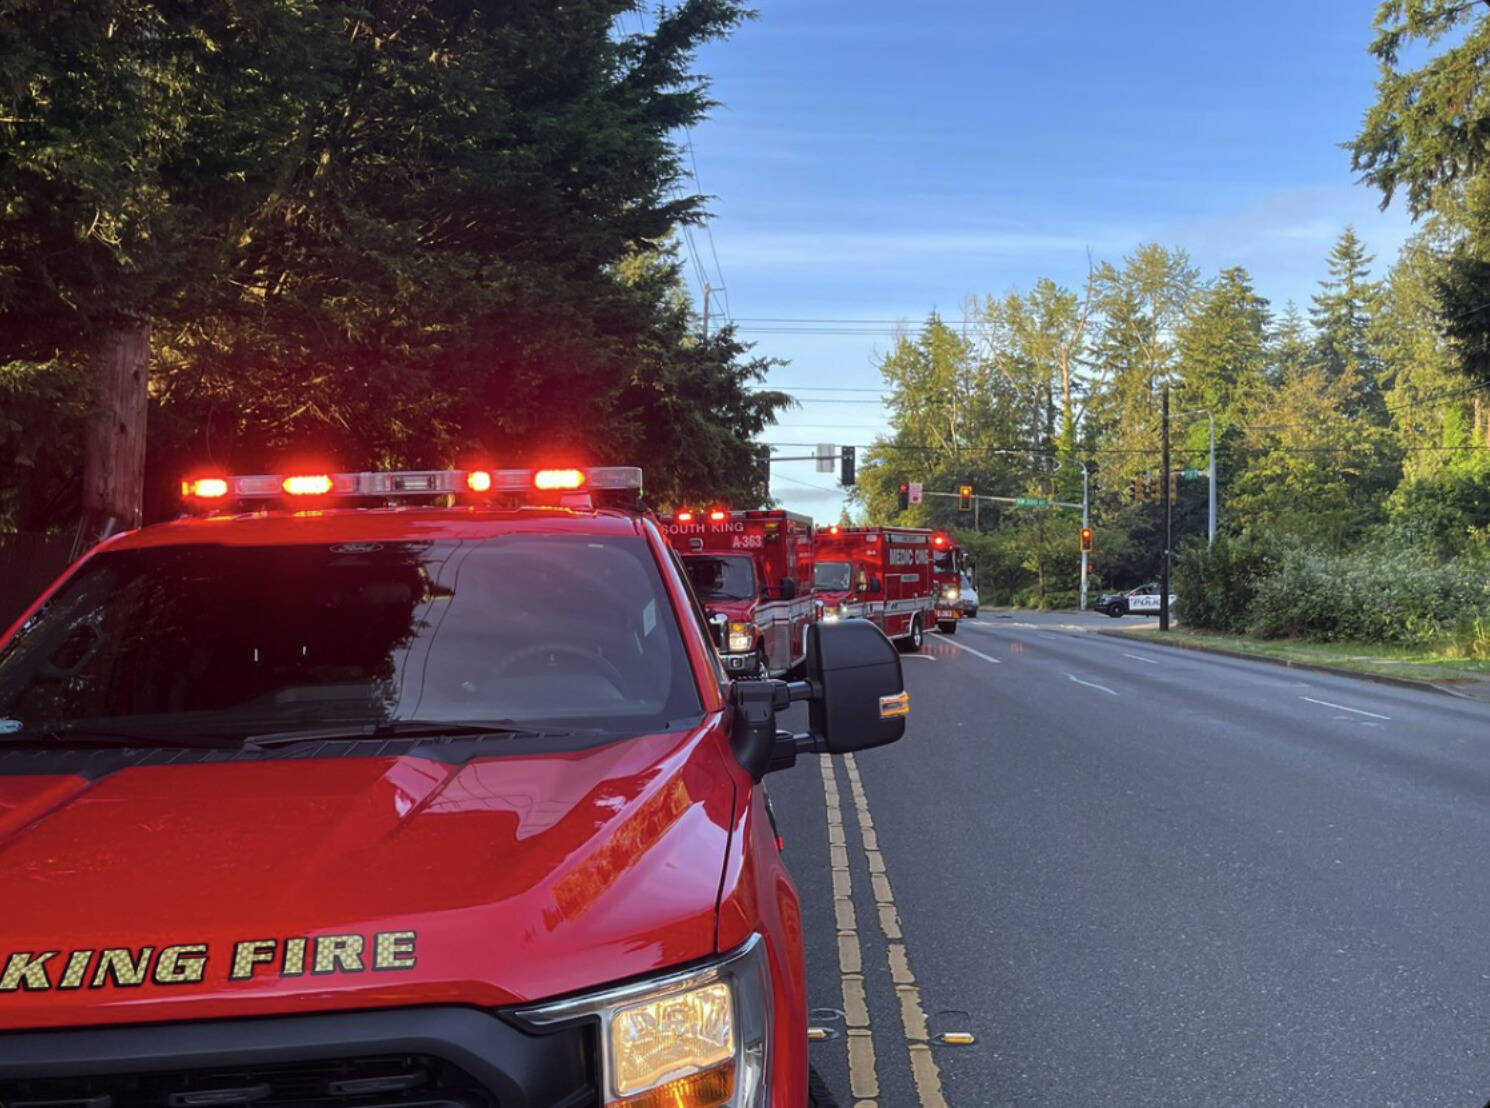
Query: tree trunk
114, 448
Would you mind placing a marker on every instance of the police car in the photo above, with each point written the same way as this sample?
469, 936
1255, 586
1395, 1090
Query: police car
311, 802
1142, 601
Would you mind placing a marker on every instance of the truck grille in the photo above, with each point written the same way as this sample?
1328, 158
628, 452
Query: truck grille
409, 1081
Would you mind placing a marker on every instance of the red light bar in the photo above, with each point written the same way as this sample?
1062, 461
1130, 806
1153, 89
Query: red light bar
684, 517
551, 479
205, 488
718, 515
940, 540
309, 484
410, 483
833, 529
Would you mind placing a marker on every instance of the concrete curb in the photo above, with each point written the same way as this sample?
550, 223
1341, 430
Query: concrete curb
1314, 667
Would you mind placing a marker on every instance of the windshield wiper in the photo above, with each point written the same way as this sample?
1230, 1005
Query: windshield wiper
414, 729
74, 737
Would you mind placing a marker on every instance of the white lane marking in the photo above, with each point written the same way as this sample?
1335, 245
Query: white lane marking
923, 657
1089, 685
974, 653
1345, 708
1140, 658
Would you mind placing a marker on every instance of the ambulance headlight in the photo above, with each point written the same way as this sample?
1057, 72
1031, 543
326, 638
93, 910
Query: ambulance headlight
697, 1039
741, 638
832, 615
952, 592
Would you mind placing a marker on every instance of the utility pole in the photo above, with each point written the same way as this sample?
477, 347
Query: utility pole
114, 441
1164, 507
707, 290
1210, 532
1086, 521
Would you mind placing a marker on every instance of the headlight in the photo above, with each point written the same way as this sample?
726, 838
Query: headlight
951, 593
697, 1039
741, 637
832, 615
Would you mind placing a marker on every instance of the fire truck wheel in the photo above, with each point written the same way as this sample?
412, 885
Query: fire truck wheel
947, 626
911, 644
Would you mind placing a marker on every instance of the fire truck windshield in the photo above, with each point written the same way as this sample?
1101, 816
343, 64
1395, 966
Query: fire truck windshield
716, 577
946, 561
212, 640
832, 576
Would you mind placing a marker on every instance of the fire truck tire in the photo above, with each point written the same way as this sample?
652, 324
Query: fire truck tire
947, 626
911, 644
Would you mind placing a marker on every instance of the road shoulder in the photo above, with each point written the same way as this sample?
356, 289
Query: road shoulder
1467, 687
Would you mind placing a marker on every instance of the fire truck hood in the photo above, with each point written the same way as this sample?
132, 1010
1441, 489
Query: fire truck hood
218, 889
734, 609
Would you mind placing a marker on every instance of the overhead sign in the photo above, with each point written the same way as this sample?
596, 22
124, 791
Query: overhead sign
827, 454
915, 492
1032, 502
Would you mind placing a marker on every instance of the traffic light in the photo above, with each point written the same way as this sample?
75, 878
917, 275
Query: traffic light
1174, 485
964, 498
905, 495
1086, 540
1140, 488
846, 467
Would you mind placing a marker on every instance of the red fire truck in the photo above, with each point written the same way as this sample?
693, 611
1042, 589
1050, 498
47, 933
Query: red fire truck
883, 574
752, 571
949, 562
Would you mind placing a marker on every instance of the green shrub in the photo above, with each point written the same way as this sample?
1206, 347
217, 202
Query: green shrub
1390, 594
1216, 584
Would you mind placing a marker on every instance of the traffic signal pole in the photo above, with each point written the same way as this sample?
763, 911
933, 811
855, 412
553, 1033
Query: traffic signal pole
1086, 521
1164, 506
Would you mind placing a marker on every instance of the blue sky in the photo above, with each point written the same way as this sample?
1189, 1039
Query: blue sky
877, 160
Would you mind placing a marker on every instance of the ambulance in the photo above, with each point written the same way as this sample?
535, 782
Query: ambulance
752, 571
883, 574
949, 564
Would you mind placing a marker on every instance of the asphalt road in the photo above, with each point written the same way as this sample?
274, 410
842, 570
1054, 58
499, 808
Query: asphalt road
1140, 875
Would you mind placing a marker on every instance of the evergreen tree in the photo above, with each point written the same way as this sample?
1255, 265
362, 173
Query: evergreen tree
1341, 315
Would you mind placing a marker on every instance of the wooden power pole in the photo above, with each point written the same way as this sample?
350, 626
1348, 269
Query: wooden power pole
114, 444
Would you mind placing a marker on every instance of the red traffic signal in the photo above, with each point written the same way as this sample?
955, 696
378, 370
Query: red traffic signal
1086, 539
905, 495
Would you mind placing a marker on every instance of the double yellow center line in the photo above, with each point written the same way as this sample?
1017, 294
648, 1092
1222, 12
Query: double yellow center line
863, 1075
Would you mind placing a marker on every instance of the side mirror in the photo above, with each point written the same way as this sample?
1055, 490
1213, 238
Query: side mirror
855, 693
860, 699
788, 588
876, 585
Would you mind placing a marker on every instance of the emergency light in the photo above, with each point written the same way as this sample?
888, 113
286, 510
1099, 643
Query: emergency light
408, 483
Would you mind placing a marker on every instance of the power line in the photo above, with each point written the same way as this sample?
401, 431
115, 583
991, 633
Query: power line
812, 388
805, 484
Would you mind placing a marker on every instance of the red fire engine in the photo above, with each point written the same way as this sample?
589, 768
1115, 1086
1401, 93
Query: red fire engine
752, 571
949, 562
883, 574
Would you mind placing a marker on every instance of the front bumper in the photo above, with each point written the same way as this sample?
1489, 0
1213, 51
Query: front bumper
436, 1056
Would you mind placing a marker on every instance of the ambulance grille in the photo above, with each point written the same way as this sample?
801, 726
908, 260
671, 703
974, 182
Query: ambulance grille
411, 1081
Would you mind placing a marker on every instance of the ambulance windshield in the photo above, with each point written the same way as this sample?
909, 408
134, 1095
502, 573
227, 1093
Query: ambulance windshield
832, 576
716, 577
552, 630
